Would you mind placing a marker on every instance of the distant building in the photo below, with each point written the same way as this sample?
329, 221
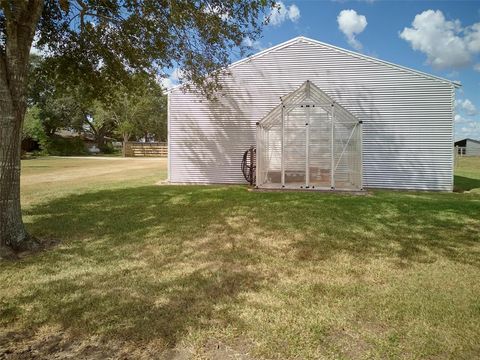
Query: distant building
468, 147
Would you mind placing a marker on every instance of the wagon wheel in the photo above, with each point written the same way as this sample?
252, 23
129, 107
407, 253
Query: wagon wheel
249, 165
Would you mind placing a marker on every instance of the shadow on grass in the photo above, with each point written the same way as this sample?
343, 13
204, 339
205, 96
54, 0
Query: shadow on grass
140, 264
159, 262
463, 183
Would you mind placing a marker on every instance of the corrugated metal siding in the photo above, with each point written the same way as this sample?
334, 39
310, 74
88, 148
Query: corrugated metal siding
407, 117
473, 148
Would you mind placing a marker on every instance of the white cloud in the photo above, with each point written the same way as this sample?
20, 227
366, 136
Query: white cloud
167, 83
460, 120
472, 37
467, 106
293, 13
217, 10
352, 24
466, 128
256, 45
281, 13
476, 67
175, 76
445, 42
466, 125
36, 50
453, 74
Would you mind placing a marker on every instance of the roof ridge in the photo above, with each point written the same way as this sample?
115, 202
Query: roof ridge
468, 139
345, 51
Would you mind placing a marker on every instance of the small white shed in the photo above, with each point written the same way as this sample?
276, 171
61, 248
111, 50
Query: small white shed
349, 121
468, 147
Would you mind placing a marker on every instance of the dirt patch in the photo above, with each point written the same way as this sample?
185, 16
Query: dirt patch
348, 344
215, 350
48, 343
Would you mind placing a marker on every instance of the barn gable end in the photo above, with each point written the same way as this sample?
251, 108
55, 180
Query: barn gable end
399, 109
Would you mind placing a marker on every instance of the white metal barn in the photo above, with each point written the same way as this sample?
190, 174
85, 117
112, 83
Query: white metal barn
321, 117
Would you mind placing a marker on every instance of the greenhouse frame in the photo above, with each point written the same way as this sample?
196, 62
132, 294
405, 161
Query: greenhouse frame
309, 141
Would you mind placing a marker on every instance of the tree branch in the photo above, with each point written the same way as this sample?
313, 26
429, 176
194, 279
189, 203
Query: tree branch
92, 127
84, 9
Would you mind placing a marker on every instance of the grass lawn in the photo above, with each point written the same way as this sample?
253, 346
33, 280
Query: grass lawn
219, 272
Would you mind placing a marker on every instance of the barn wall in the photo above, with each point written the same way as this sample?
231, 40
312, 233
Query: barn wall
473, 148
407, 117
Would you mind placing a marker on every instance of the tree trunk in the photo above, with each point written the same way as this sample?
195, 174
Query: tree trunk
100, 140
12, 230
124, 145
20, 23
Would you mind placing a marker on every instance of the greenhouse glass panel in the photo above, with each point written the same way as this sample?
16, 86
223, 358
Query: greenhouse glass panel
294, 147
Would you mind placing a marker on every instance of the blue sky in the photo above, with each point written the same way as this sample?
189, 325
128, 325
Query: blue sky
437, 37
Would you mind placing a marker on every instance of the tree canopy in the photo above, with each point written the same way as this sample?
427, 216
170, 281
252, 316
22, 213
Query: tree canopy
98, 39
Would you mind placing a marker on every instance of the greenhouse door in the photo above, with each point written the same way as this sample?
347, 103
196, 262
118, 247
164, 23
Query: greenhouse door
294, 147
319, 148
307, 147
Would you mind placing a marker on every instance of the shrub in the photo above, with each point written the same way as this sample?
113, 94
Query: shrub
32, 127
59, 146
108, 148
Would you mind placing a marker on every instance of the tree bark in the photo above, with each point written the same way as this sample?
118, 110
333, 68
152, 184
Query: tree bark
21, 21
124, 145
98, 133
100, 139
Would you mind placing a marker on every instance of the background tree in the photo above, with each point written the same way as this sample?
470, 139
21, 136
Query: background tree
33, 127
55, 108
65, 102
97, 39
138, 111
135, 109
152, 121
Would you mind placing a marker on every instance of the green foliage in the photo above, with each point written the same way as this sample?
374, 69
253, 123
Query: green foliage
57, 106
135, 112
108, 149
152, 114
128, 112
35, 128
32, 126
101, 41
58, 146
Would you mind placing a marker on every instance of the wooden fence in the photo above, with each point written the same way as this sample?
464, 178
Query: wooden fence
139, 149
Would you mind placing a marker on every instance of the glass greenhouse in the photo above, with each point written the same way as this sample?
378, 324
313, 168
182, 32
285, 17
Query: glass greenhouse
311, 142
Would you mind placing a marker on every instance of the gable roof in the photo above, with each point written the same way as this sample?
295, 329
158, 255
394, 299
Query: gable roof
469, 139
307, 94
341, 50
